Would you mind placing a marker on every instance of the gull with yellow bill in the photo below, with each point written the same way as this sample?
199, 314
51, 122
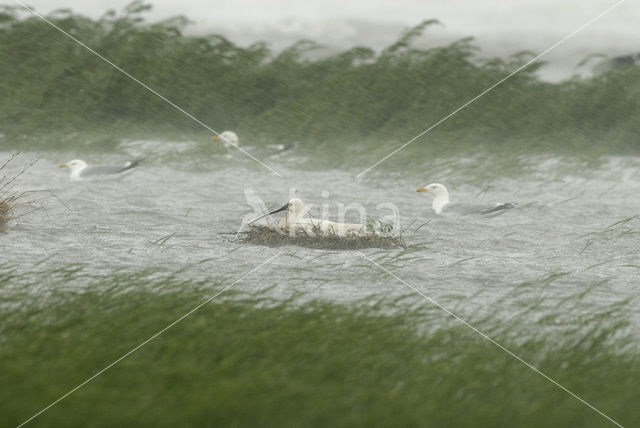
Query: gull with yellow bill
441, 203
228, 138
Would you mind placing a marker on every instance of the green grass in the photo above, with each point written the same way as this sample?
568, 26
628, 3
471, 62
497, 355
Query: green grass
243, 362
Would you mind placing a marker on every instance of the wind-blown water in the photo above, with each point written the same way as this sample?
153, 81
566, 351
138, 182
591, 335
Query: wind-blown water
575, 229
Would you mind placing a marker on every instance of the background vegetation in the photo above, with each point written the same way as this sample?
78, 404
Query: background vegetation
52, 87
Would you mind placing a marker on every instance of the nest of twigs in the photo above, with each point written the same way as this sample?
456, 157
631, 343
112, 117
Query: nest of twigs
271, 237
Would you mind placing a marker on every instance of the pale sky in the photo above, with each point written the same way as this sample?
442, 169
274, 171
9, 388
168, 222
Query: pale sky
500, 26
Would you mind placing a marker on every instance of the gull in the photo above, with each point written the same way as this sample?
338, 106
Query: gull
441, 202
295, 219
81, 171
229, 138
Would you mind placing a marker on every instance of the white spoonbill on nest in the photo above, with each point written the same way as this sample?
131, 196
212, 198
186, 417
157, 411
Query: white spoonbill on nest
294, 219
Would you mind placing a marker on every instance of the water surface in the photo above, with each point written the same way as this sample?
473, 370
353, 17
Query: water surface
574, 232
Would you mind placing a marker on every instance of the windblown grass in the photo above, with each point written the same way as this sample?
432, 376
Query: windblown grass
261, 362
262, 235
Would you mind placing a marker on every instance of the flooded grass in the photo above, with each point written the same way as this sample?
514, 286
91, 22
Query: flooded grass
262, 235
243, 362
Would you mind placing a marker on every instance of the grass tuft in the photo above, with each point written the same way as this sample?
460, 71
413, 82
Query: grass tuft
9, 199
6, 210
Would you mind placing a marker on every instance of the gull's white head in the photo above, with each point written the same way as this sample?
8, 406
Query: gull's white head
227, 137
440, 195
76, 166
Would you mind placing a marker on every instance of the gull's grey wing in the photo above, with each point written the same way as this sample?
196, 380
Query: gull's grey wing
280, 147
268, 150
92, 171
467, 208
500, 206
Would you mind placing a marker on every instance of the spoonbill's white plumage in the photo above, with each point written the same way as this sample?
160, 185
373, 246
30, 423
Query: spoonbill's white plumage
294, 219
441, 202
81, 171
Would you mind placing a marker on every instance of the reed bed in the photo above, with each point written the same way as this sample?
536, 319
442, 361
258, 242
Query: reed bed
55, 97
